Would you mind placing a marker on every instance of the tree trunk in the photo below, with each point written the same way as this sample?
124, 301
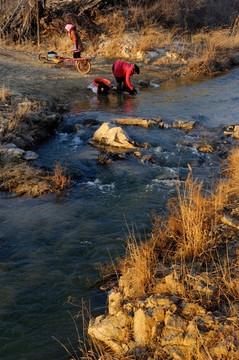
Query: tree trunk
38, 24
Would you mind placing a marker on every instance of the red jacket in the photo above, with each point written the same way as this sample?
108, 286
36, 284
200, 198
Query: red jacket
123, 69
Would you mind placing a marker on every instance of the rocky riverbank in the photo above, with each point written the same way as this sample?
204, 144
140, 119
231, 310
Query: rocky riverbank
176, 294
25, 123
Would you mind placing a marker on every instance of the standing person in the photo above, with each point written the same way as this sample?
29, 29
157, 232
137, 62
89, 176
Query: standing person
75, 37
122, 72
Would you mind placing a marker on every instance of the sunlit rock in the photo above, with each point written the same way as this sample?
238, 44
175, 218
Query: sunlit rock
113, 331
109, 134
230, 221
206, 148
233, 131
186, 125
192, 334
135, 121
150, 56
115, 302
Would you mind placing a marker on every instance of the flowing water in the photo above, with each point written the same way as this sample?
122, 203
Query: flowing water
49, 246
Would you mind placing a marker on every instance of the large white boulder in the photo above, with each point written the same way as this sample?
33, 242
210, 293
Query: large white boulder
111, 135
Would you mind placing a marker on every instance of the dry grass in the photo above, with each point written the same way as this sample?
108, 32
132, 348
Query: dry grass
113, 24
24, 180
233, 173
60, 179
197, 214
30, 121
211, 51
139, 266
220, 39
6, 94
144, 15
191, 240
192, 216
153, 36
131, 30
61, 44
23, 109
206, 52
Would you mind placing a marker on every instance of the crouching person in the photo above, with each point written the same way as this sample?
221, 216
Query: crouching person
122, 72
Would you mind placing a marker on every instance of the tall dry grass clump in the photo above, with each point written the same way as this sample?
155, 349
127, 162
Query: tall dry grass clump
190, 235
233, 173
152, 36
210, 50
139, 265
197, 213
192, 216
60, 179
228, 187
5, 94
188, 15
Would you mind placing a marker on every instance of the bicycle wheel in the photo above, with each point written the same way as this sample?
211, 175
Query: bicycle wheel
42, 57
83, 66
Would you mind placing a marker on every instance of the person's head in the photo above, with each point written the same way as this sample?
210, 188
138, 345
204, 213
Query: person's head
103, 89
69, 27
136, 69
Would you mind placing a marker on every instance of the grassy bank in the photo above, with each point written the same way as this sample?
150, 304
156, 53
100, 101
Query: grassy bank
25, 122
195, 248
193, 236
199, 38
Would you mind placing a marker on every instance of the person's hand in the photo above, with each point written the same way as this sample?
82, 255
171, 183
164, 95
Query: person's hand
134, 92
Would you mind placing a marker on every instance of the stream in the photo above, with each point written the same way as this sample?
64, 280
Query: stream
50, 246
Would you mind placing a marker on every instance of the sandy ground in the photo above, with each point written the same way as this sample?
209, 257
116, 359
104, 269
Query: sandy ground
21, 71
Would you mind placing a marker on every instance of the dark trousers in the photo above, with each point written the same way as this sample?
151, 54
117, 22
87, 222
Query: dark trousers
120, 82
76, 54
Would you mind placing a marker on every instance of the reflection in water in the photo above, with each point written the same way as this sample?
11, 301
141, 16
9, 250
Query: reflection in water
124, 103
50, 246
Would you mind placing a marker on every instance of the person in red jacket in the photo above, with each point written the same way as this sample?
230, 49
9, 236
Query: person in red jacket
122, 72
75, 37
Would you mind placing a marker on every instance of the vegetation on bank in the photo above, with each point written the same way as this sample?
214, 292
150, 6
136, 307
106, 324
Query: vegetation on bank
26, 122
202, 35
195, 240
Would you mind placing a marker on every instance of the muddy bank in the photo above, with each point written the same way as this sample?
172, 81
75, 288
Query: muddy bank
21, 71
